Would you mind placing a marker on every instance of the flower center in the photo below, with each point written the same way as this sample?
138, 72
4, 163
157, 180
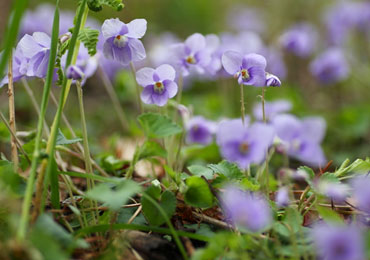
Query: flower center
244, 147
120, 41
191, 60
296, 144
244, 73
158, 87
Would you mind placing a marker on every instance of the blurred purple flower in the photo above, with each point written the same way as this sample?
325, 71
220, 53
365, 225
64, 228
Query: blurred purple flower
243, 18
271, 109
300, 39
35, 21
248, 69
336, 191
301, 138
246, 210
199, 130
276, 63
338, 242
244, 145
244, 42
192, 55
74, 72
282, 197
330, 66
36, 50
158, 84
213, 45
19, 67
158, 53
361, 192
121, 40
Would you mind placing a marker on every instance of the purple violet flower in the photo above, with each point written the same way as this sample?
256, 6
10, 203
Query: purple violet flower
121, 40
74, 72
19, 67
330, 66
36, 50
246, 210
301, 138
282, 197
200, 130
243, 18
299, 39
248, 69
272, 109
361, 192
336, 191
338, 242
158, 84
272, 80
244, 145
192, 55
276, 64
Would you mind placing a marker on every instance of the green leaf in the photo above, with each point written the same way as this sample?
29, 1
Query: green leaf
250, 184
308, 173
198, 193
114, 198
158, 126
200, 170
89, 37
228, 169
152, 214
150, 149
111, 164
358, 166
96, 5
329, 215
62, 140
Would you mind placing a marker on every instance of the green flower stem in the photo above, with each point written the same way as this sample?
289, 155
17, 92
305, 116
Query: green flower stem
87, 156
242, 105
36, 154
267, 176
47, 165
115, 101
140, 104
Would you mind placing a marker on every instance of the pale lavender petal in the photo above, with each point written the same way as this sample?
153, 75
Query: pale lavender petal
160, 99
137, 49
287, 127
254, 60
232, 61
146, 95
257, 77
136, 28
313, 129
166, 71
42, 38
212, 42
171, 88
29, 46
231, 129
108, 50
144, 76
122, 55
312, 154
112, 28
195, 42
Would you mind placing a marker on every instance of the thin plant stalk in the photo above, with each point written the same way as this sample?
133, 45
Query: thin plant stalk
36, 154
47, 165
18, 143
88, 165
115, 101
133, 70
242, 107
267, 177
14, 149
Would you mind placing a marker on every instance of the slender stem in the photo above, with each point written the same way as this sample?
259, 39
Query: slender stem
132, 66
180, 86
88, 165
113, 96
36, 153
14, 149
242, 107
267, 176
15, 137
263, 105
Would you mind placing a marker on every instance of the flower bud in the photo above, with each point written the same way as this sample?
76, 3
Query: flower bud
272, 80
74, 72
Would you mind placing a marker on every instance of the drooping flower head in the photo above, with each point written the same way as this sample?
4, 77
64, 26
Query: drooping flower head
330, 66
248, 69
300, 39
271, 109
159, 84
192, 55
200, 130
244, 145
338, 242
301, 138
36, 50
282, 197
272, 80
74, 72
122, 40
246, 210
